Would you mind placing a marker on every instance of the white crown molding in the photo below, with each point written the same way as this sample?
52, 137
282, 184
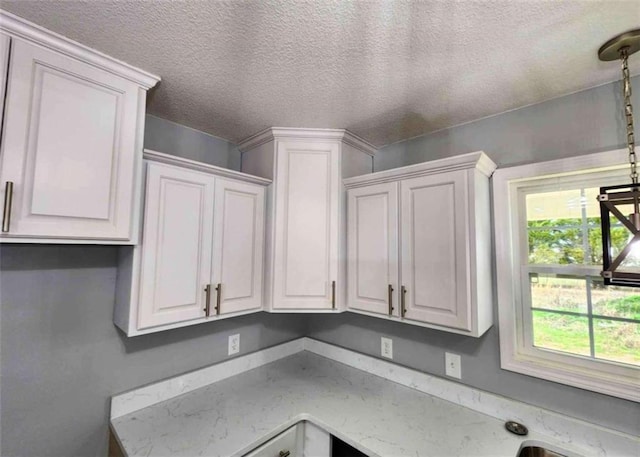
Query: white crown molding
169, 159
275, 133
478, 160
21, 28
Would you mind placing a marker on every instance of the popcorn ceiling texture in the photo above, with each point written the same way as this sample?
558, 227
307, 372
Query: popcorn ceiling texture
386, 70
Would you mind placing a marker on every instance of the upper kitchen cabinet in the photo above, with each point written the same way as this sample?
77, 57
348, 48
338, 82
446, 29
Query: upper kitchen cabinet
420, 244
72, 134
372, 248
305, 241
202, 250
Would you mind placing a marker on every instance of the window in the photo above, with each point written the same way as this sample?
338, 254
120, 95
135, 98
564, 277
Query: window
557, 319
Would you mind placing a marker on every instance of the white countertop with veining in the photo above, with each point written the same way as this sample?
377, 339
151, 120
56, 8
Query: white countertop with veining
373, 414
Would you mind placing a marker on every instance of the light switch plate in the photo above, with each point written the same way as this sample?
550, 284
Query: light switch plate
452, 365
386, 347
234, 344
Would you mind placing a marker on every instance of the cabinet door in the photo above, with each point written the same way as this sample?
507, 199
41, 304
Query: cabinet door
435, 249
306, 242
69, 147
372, 240
176, 252
238, 245
286, 443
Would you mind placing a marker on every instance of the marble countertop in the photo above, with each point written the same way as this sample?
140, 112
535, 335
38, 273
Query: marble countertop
373, 414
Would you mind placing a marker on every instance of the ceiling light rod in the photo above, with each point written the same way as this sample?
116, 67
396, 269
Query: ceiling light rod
621, 47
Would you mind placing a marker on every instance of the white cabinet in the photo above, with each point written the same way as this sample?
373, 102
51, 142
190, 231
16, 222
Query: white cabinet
306, 243
435, 228
238, 245
302, 440
286, 444
201, 256
373, 248
177, 240
306, 237
71, 151
443, 222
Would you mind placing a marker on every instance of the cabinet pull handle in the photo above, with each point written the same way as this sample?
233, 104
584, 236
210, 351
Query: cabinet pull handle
218, 296
333, 294
403, 307
207, 291
6, 210
390, 292
284, 453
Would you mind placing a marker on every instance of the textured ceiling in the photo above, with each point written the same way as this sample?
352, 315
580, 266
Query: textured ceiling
386, 70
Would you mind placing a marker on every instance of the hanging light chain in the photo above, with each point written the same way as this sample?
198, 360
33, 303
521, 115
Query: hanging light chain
628, 112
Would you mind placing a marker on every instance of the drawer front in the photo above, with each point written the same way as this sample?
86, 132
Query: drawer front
283, 445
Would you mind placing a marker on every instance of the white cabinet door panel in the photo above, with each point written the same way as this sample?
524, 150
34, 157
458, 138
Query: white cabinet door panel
373, 248
435, 249
306, 258
176, 256
287, 441
238, 245
69, 147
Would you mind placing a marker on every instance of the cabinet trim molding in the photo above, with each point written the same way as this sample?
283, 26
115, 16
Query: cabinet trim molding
275, 133
473, 160
169, 159
21, 28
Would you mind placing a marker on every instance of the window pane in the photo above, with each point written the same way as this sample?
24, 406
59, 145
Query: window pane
558, 293
563, 207
556, 246
561, 332
618, 341
556, 226
592, 205
615, 301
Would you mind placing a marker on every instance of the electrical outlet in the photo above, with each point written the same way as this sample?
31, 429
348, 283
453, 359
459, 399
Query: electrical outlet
386, 349
453, 366
234, 344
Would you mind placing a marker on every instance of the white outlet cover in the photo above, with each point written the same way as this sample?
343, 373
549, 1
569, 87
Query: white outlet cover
452, 364
386, 347
234, 344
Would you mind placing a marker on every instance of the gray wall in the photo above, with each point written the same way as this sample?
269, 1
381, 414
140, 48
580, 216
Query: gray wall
166, 136
61, 357
581, 123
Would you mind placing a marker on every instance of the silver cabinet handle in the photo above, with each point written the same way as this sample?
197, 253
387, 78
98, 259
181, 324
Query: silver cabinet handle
403, 307
218, 297
333, 294
207, 307
284, 453
6, 210
390, 293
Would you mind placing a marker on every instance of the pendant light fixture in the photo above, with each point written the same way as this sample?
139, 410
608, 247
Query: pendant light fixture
620, 205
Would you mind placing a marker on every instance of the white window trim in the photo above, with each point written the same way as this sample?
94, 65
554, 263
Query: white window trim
516, 351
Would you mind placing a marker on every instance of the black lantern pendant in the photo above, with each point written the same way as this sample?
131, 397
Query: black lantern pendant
620, 205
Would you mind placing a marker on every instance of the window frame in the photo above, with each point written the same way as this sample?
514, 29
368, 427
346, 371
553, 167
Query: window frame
517, 352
